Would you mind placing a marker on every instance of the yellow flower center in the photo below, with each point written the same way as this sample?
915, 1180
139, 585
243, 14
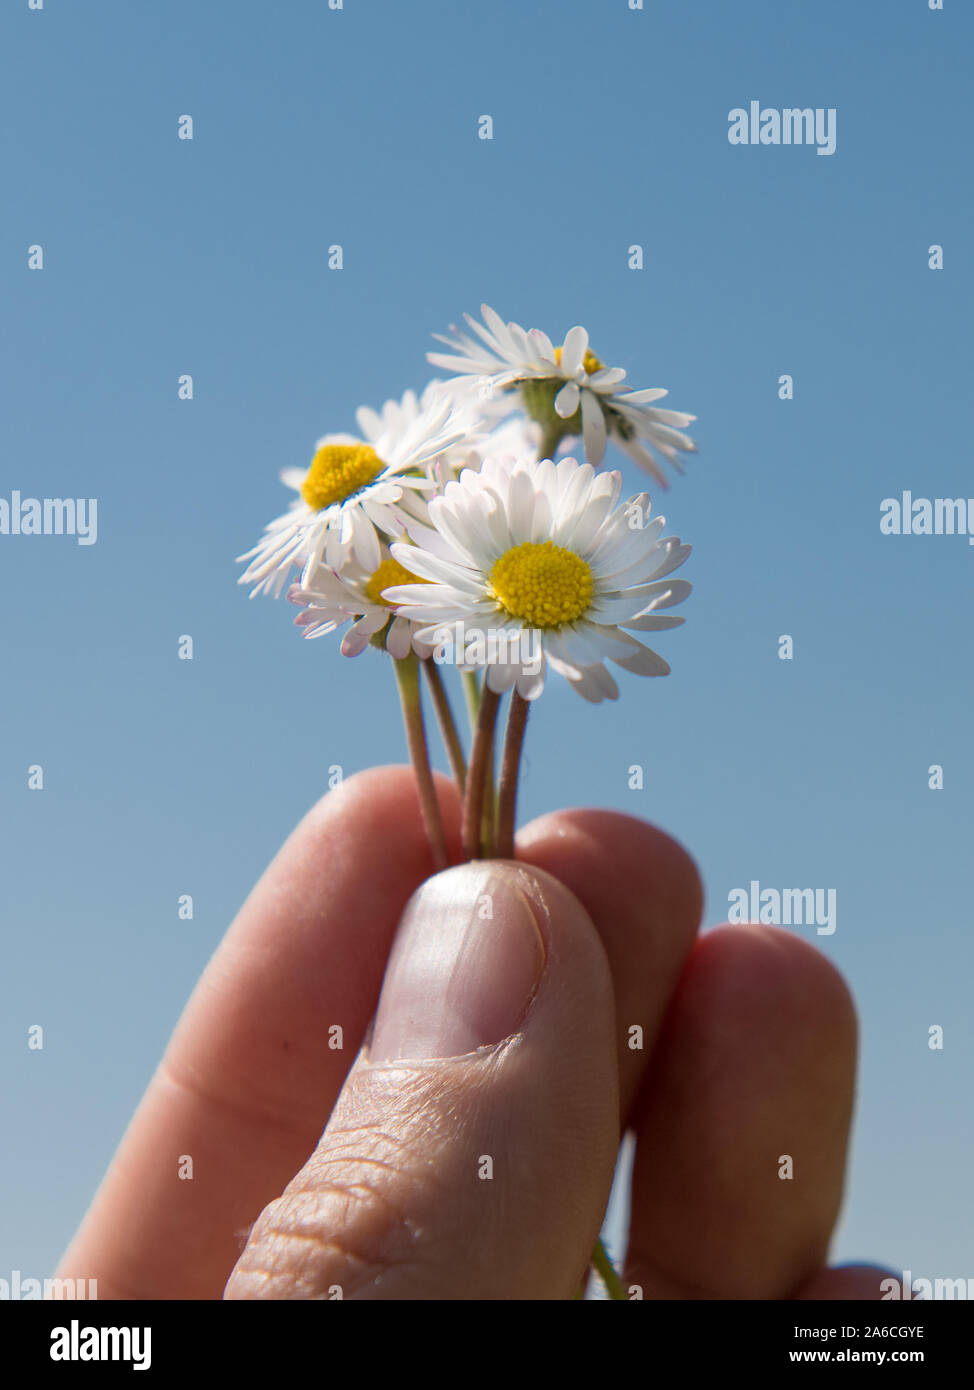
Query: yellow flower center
338, 470
545, 585
590, 362
389, 572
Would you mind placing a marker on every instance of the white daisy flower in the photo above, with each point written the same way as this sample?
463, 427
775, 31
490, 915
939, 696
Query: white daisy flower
538, 558
332, 598
355, 489
569, 384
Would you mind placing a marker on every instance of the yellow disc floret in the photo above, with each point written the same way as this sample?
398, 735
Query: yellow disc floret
545, 584
338, 470
389, 572
590, 362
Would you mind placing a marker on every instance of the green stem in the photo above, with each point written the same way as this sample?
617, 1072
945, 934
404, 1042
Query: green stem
608, 1275
407, 678
448, 728
471, 693
550, 439
473, 801
487, 819
517, 719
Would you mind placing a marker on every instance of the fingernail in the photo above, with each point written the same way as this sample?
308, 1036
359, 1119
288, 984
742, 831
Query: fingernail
465, 964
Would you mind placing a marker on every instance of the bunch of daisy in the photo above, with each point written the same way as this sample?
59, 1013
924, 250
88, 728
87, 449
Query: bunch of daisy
455, 529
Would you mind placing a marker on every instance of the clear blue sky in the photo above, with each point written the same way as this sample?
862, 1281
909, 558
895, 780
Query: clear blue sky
209, 257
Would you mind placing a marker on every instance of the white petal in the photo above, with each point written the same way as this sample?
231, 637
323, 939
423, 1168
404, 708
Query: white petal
495, 323
335, 552
365, 542
581, 646
355, 640
500, 678
670, 417
373, 621
541, 518
520, 505
672, 559
369, 422
666, 593
399, 638
642, 397
596, 684
428, 538
661, 435
593, 428
586, 527
643, 662
573, 351
543, 347
529, 687
566, 401
472, 367
499, 529
427, 566
606, 378
652, 623
574, 481
522, 343
470, 542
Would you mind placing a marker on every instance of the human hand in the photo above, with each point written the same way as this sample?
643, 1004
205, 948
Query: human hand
748, 1053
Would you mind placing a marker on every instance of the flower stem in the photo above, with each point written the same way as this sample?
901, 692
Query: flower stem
448, 728
407, 678
471, 693
473, 801
487, 819
510, 763
608, 1275
550, 439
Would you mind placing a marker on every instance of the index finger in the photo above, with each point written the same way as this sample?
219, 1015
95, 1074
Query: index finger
262, 1049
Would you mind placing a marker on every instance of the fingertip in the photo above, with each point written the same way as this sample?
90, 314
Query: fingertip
575, 843
385, 798
390, 782
769, 965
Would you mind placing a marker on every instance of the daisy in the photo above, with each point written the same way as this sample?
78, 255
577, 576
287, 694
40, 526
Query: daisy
539, 554
568, 389
332, 598
355, 489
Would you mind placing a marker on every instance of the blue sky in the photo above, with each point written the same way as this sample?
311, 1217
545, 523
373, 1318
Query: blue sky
359, 127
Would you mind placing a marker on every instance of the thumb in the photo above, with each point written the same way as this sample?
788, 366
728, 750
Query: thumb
471, 1151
